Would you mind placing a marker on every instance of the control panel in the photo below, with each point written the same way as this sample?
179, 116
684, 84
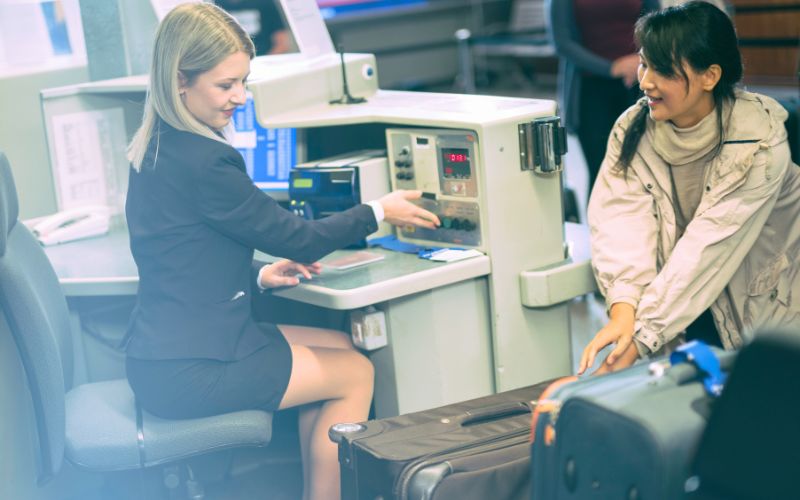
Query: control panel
444, 165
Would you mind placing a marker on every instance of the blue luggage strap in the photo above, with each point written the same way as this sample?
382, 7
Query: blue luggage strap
705, 360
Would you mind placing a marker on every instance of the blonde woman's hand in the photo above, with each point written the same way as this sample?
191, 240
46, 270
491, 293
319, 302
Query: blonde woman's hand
619, 331
399, 211
284, 273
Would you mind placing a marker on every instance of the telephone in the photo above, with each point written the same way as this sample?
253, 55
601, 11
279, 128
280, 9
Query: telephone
72, 224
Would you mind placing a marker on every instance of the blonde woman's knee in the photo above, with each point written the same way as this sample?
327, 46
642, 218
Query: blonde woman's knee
369, 368
362, 370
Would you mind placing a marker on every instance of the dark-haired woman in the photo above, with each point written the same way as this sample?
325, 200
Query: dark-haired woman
694, 217
597, 74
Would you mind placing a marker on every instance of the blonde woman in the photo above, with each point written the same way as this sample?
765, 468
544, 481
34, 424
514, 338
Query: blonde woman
195, 219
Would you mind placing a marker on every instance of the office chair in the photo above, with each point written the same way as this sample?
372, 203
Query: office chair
525, 37
96, 426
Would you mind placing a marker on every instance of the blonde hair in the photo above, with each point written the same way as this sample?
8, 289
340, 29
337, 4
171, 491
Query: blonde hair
192, 39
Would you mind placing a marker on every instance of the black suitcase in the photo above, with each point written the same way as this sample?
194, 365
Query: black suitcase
476, 449
750, 449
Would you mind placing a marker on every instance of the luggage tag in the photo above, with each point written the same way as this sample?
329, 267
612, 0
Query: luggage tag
448, 254
705, 360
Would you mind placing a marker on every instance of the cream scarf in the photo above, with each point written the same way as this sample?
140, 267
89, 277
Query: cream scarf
681, 146
687, 152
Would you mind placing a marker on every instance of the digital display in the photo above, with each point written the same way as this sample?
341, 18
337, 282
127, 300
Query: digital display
457, 157
456, 163
303, 183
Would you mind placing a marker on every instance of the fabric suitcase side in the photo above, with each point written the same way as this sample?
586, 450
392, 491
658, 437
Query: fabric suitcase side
630, 434
493, 470
546, 472
441, 451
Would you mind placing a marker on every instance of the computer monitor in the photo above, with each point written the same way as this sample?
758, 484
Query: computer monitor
333, 8
269, 154
266, 24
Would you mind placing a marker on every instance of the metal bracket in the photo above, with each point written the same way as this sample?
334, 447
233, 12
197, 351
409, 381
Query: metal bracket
542, 143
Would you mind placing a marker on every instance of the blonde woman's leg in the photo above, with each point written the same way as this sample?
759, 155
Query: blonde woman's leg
332, 383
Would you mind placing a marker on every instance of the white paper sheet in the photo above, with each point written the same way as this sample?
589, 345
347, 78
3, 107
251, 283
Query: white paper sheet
162, 7
87, 147
308, 27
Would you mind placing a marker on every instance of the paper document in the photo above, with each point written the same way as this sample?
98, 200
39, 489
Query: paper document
353, 260
162, 7
452, 255
89, 147
308, 27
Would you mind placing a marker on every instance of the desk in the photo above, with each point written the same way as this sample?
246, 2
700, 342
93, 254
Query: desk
96, 267
104, 266
437, 314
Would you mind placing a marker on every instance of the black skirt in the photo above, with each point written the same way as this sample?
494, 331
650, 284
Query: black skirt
192, 388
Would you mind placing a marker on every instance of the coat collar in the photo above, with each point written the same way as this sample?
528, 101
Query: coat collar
756, 123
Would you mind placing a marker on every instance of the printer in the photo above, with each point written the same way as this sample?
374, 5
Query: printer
323, 187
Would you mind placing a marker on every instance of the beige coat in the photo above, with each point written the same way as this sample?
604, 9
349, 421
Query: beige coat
739, 254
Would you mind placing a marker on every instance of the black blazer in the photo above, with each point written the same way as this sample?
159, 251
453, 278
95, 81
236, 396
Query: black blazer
195, 218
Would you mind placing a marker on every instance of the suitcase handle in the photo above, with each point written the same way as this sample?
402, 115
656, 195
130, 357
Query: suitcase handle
707, 363
504, 410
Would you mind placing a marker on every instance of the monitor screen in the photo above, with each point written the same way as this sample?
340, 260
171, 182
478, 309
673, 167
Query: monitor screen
269, 154
333, 8
266, 24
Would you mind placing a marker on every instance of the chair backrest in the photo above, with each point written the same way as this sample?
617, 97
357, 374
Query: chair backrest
527, 16
36, 311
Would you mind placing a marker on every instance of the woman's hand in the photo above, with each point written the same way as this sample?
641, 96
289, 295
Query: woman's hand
626, 68
284, 273
619, 330
399, 211
625, 360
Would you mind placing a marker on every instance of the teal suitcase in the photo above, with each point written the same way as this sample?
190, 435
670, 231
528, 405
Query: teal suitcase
627, 435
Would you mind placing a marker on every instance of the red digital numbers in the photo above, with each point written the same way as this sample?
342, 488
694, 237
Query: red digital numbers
456, 157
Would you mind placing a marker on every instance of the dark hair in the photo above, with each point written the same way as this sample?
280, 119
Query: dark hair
698, 33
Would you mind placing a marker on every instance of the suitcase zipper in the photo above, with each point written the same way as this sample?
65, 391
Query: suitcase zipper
401, 487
